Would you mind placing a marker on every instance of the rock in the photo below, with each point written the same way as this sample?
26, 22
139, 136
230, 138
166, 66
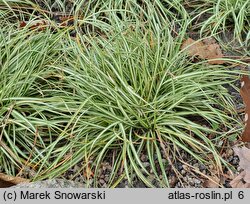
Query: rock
52, 183
202, 167
144, 158
183, 172
102, 181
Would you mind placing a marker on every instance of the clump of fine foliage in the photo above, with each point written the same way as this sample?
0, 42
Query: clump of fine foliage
225, 16
124, 91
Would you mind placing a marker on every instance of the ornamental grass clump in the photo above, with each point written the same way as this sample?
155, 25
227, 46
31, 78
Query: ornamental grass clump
88, 99
228, 15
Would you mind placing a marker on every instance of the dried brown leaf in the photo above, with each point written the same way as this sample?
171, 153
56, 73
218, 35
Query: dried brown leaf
243, 179
244, 156
245, 94
206, 49
192, 47
214, 182
7, 181
239, 182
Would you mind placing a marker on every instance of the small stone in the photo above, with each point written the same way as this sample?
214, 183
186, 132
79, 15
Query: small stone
235, 160
104, 185
211, 167
104, 168
172, 181
220, 143
230, 152
144, 158
185, 167
179, 167
197, 181
196, 166
183, 172
151, 177
101, 181
146, 164
178, 185
109, 167
202, 167
106, 178
76, 168
230, 158
191, 182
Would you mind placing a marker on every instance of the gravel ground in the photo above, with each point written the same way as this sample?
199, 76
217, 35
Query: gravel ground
188, 177
53, 183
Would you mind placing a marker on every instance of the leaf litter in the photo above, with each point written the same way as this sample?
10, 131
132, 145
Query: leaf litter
243, 179
245, 94
206, 49
8, 181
